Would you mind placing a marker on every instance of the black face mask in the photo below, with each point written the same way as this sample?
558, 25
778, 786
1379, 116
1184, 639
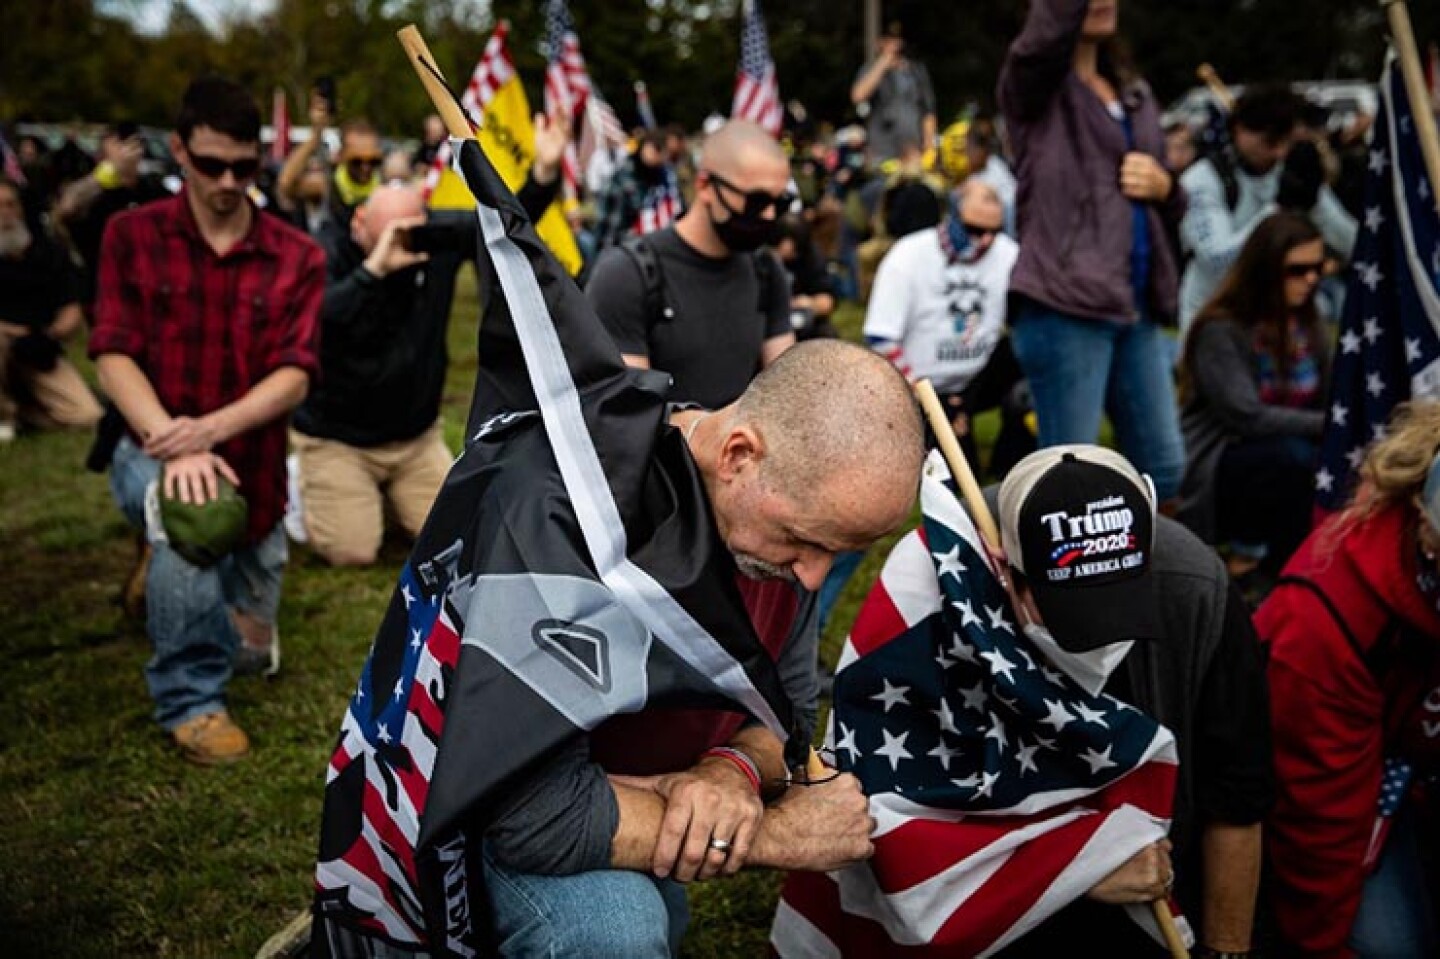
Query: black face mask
744, 234
649, 174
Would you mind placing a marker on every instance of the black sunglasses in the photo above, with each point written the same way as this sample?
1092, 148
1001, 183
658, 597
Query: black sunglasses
214, 167
756, 203
362, 163
1296, 271
979, 233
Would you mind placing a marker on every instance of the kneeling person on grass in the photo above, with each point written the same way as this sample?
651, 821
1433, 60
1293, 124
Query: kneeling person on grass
205, 338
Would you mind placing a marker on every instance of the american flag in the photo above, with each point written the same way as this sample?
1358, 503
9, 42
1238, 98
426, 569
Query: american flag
757, 93
1394, 784
494, 70
1389, 347
527, 613
1003, 791
601, 143
279, 125
661, 206
642, 105
567, 84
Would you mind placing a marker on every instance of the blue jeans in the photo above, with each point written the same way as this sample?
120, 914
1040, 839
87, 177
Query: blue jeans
1078, 368
187, 608
607, 914
1396, 918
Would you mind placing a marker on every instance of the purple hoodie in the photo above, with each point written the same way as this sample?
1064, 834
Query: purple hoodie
1075, 225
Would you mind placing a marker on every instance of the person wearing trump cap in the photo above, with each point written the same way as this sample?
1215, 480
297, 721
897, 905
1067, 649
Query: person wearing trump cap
1132, 604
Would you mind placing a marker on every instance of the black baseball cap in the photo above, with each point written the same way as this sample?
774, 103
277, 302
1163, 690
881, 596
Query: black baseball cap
1079, 522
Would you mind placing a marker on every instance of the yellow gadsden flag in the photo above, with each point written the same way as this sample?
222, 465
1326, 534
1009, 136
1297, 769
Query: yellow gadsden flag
496, 98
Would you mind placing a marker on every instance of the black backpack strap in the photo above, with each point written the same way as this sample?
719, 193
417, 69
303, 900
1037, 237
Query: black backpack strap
765, 279
1225, 163
652, 278
1377, 658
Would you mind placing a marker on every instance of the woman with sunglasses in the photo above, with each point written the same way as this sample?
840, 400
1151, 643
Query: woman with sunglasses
1252, 389
1353, 632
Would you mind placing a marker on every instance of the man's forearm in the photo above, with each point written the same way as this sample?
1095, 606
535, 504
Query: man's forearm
77, 198
127, 385
294, 167
271, 398
1231, 863
864, 88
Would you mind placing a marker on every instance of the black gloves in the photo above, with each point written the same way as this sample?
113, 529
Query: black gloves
1301, 178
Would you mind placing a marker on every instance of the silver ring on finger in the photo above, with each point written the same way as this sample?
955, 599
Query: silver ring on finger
720, 845
1170, 881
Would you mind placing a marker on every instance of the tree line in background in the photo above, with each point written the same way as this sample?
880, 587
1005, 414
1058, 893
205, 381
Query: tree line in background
76, 60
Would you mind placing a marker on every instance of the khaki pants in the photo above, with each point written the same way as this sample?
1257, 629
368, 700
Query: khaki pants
345, 491
46, 400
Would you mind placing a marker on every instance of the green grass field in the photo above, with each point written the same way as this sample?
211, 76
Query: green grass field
114, 846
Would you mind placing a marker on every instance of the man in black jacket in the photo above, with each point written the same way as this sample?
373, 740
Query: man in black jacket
368, 437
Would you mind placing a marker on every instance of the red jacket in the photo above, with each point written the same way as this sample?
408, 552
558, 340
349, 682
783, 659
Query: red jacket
1334, 721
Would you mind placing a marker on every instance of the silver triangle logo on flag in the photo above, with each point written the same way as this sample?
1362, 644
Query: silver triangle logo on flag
581, 649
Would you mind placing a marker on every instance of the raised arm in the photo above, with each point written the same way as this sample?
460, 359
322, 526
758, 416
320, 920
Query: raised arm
1041, 57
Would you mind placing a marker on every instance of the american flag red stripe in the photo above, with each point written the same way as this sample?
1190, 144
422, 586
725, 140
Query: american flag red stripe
953, 875
567, 84
757, 92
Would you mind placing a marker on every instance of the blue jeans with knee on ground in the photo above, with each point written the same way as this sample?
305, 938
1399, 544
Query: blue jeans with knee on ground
187, 608
1079, 368
606, 914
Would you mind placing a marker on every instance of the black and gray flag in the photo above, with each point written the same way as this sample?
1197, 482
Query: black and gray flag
570, 571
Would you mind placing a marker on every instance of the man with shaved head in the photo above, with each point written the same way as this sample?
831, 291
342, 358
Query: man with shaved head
587, 855
938, 312
368, 438
701, 300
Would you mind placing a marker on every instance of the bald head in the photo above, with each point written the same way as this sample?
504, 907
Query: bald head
739, 147
833, 411
388, 203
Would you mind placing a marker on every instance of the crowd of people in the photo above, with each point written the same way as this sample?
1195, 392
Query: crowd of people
270, 340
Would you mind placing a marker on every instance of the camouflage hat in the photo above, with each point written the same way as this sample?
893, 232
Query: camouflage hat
205, 534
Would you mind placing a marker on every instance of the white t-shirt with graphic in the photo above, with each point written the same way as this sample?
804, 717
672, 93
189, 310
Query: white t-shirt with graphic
947, 317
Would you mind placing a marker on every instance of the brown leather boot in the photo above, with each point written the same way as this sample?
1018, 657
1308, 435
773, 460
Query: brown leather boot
211, 740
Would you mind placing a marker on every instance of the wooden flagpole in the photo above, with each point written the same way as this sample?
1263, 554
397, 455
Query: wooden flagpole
434, 82
1402, 34
1207, 75
985, 523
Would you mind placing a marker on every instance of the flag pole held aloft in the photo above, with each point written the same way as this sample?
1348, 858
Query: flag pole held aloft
1402, 35
434, 81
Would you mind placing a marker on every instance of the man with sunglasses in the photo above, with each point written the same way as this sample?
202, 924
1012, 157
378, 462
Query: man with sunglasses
701, 300
938, 312
357, 166
205, 337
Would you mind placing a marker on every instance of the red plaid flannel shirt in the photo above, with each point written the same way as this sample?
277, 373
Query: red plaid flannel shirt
205, 328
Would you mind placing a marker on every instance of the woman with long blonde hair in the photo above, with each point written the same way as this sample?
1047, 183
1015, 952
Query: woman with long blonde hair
1353, 630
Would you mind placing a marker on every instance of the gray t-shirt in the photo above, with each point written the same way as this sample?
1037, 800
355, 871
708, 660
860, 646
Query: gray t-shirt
712, 343
898, 108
